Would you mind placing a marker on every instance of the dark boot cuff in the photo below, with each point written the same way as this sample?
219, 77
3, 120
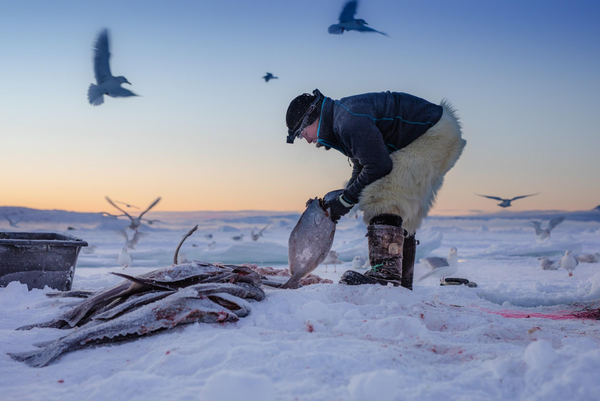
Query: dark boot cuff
387, 219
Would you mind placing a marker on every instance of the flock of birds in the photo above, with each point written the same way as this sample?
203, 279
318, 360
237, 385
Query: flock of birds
110, 85
125, 259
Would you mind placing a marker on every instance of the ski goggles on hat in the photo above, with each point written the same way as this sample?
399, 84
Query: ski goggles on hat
296, 132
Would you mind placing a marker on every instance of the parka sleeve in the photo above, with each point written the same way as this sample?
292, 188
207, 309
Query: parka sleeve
365, 142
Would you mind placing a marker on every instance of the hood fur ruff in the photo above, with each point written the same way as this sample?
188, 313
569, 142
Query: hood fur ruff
417, 175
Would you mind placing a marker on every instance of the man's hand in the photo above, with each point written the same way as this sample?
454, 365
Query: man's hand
339, 206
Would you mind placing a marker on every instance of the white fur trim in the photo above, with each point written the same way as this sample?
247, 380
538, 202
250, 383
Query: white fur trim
417, 175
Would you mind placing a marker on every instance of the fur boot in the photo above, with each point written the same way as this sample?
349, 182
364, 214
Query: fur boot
386, 241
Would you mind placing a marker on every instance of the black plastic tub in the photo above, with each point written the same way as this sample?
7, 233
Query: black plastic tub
39, 259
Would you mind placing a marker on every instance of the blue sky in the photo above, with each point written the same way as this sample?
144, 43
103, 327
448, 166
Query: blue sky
208, 133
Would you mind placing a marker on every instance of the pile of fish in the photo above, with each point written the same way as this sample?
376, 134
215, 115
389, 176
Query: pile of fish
182, 293
161, 299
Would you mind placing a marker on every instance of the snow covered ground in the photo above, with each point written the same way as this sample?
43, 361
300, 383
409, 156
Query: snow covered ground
512, 337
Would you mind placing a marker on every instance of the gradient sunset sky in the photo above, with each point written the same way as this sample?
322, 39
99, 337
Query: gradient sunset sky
208, 133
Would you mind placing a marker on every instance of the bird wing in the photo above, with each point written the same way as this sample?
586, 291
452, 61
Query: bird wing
491, 197
538, 227
151, 206
524, 196
264, 228
555, 221
126, 204
423, 277
121, 92
123, 233
101, 58
121, 210
348, 11
367, 29
435, 262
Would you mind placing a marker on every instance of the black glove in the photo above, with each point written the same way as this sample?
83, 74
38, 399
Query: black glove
337, 208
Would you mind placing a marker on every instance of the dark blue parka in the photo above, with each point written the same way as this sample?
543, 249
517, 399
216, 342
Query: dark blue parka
368, 127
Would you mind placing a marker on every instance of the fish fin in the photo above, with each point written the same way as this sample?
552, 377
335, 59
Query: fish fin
51, 324
71, 294
145, 282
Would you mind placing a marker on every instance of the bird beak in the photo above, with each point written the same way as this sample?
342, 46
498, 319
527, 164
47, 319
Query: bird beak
127, 82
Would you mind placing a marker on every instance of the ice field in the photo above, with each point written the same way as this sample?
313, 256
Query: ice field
512, 337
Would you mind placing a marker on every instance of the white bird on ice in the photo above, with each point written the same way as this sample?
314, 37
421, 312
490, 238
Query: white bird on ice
441, 267
568, 262
544, 233
547, 264
107, 84
124, 259
589, 258
347, 22
358, 262
238, 237
332, 259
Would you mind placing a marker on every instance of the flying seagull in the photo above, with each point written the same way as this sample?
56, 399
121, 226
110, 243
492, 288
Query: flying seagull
135, 221
12, 223
256, 236
349, 23
269, 76
107, 84
506, 202
544, 233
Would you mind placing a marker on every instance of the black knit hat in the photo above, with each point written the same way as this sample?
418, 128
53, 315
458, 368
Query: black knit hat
302, 112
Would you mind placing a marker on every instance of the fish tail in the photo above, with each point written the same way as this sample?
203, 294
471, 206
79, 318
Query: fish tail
38, 358
292, 284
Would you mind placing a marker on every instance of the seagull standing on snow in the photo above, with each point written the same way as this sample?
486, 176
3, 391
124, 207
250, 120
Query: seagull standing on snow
547, 264
358, 262
544, 233
441, 267
568, 262
332, 259
349, 23
506, 202
269, 76
589, 258
124, 259
107, 84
